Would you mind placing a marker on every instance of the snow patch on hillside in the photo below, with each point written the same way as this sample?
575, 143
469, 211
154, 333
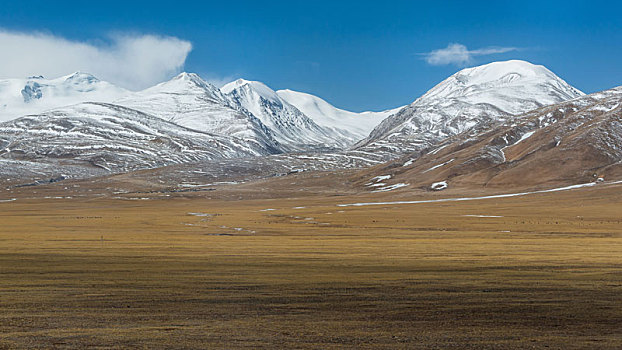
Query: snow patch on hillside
508, 195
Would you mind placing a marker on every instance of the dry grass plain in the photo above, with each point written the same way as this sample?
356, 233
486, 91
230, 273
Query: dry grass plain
544, 272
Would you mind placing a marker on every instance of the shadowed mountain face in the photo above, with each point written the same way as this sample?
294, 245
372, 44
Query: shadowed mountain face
576, 141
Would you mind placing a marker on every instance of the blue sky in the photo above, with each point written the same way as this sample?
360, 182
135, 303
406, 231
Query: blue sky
357, 55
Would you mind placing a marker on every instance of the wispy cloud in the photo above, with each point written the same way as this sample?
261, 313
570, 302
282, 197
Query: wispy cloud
131, 61
219, 81
459, 54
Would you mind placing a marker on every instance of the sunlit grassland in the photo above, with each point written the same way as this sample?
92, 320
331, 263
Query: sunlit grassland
198, 273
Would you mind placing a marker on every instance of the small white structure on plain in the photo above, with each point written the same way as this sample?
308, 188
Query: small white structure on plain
439, 186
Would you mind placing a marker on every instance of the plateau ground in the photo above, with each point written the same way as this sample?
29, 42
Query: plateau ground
231, 268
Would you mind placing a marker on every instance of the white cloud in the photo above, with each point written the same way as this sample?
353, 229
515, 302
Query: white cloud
458, 54
131, 61
220, 81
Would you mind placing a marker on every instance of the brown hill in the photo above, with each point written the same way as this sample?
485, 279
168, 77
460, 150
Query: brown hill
576, 141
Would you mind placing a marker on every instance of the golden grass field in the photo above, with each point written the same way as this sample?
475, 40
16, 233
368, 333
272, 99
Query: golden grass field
545, 273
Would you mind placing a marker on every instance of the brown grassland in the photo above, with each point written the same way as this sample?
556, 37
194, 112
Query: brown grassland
545, 272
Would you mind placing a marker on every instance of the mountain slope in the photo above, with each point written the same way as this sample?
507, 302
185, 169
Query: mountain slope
19, 97
110, 137
473, 97
189, 101
357, 126
576, 141
290, 127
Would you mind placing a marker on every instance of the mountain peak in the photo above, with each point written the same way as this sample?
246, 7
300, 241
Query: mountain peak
227, 88
241, 81
508, 70
258, 87
187, 76
191, 78
505, 78
185, 83
81, 77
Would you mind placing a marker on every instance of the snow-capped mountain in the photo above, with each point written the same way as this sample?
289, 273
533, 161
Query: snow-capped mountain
19, 97
572, 142
473, 97
189, 101
110, 137
292, 128
356, 126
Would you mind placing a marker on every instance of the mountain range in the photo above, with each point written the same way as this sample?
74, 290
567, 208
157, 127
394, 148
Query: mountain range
81, 126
